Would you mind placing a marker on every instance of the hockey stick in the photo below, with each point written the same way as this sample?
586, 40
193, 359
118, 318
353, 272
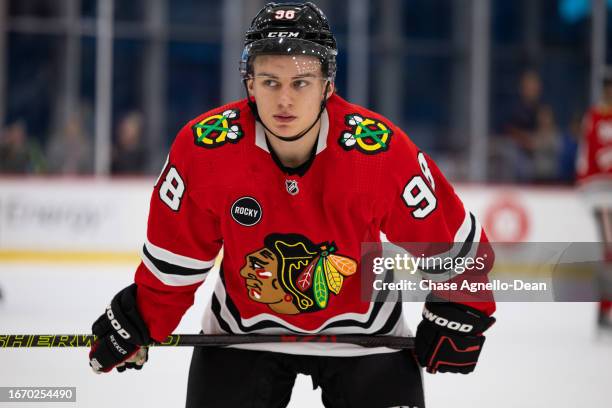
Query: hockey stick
201, 340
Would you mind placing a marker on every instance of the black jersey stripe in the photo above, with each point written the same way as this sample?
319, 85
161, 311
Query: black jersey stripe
467, 244
172, 269
465, 249
231, 307
392, 319
216, 308
388, 325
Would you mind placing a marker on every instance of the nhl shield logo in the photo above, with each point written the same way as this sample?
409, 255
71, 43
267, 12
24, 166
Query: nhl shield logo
292, 187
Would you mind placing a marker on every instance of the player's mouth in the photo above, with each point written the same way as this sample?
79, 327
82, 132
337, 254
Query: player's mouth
284, 118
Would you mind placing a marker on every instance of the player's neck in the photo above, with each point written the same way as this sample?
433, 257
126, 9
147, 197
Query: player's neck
294, 154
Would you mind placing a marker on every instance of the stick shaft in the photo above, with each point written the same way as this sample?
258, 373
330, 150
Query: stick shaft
201, 340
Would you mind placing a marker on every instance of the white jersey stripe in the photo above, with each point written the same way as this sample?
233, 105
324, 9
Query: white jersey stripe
464, 229
210, 325
176, 259
380, 321
460, 238
171, 279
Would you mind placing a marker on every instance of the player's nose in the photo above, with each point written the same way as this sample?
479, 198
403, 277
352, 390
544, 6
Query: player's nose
285, 99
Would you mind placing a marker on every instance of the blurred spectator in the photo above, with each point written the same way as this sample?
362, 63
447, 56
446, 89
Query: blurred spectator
534, 133
129, 156
18, 153
546, 147
524, 120
70, 150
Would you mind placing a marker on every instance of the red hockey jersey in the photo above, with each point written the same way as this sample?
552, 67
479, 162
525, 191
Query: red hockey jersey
594, 161
291, 242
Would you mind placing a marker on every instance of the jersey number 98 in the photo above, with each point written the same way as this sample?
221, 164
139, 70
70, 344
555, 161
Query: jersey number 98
172, 189
417, 194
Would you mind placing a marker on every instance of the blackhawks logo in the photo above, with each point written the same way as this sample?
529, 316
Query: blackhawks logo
216, 130
369, 136
292, 275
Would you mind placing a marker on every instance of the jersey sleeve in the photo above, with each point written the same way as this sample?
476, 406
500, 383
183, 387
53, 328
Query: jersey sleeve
426, 217
182, 242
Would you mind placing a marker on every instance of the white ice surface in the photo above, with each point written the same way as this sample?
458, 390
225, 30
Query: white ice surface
537, 355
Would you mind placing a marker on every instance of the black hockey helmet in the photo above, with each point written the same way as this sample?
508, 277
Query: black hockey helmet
290, 29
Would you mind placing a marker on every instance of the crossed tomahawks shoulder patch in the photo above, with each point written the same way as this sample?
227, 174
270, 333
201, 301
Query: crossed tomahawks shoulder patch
367, 135
216, 130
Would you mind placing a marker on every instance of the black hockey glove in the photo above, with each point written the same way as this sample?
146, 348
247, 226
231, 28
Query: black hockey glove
122, 335
449, 338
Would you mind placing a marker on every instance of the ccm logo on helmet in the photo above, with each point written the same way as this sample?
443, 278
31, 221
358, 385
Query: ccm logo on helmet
440, 321
115, 323
283, 34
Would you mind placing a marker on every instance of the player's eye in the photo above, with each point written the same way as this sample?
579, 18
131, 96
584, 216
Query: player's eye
300, 83
270, 83
255, 265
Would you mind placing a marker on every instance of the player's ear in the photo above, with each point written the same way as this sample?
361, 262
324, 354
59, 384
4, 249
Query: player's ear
330, 90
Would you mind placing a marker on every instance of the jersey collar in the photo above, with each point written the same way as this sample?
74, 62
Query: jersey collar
260, 136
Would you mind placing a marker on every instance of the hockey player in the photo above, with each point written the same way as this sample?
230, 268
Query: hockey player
594, 171
290, 181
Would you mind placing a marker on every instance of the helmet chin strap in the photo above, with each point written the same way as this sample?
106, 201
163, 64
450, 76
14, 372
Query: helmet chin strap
300, 135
